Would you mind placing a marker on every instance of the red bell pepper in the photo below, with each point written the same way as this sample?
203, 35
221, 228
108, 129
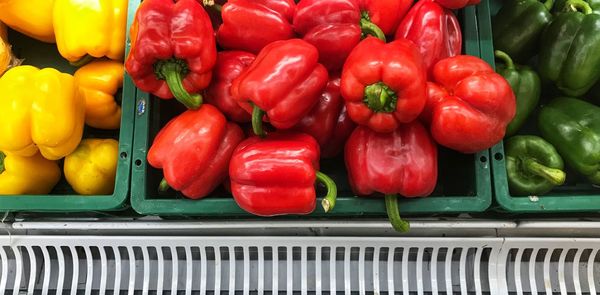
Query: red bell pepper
194, 150
401, 162
335, 27
328, 122
276, 175
285, 81
230, 65
250, 25
386, 14
434, 29
173, 50
457, 4
384, 84
469, 105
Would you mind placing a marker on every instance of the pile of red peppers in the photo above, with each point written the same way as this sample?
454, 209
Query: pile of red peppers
380, 83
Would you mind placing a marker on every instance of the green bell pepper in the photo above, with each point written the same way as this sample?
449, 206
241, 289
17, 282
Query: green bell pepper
518, 25
570, 53
573, 127
560, 6
533, 166
526, 85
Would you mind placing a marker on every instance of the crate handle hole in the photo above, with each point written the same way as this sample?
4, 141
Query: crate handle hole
138, 162
483, 159
123, 155
498, 156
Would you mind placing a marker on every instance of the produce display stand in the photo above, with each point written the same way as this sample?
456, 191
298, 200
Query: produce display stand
63, 198
211, 246
461, 188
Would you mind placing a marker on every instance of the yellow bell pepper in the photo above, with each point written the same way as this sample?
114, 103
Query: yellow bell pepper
92, 27
30, 17
27, 175
92, 168
40, 110
98, 83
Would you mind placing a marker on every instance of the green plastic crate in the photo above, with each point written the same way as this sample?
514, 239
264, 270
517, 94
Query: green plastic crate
576, 195
464, 183
63, 198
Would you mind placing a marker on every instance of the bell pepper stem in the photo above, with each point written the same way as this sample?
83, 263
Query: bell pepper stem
505, 58
211, 3
257, 121
2, 157
548, 4
329, 201
82, 61
555, 176
173, 71
163, 186
579, 5
380, 98
391, 207
369, 28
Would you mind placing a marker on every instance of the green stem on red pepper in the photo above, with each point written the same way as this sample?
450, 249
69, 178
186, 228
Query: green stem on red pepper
257, 121
579, 5
173, 71
211, 3
369, 28
163, 186
329, 201
555, 176
2, 157
380, 98
391, 207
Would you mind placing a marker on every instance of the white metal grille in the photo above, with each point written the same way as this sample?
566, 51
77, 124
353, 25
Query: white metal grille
206, 265
297, 265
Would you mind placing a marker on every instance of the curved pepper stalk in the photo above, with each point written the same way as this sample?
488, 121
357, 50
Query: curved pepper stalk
391, 207
329, 201
172, 71
257, 117
367, 27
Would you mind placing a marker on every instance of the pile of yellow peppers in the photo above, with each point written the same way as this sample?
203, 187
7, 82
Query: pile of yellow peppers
44, 110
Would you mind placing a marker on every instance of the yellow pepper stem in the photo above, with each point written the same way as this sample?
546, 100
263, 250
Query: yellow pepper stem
82, 61
173, 71
2, 157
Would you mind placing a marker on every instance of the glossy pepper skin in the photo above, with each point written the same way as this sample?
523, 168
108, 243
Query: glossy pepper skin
572, 126
434, 29
92, 168
32, 18
328, 122
469, 105
194, 150
518, 26
335, 27
276, 175
285, 81
526, 85
92, 27
384, 85
230, 65
457, 4
98, 83
533, 166
402, 162
570, 53
250, 25
173, 50
33, 175
41, 111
